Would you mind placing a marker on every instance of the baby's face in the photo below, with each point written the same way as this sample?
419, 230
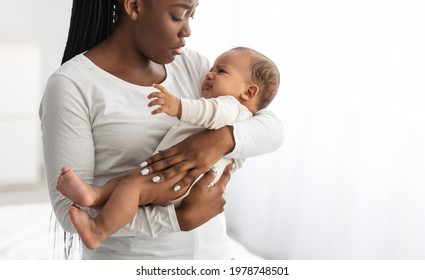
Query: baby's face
228, 76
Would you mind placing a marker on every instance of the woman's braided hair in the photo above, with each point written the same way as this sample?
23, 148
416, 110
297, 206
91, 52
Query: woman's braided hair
91, 22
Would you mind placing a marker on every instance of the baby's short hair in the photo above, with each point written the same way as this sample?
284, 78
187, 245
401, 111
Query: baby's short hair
265, 74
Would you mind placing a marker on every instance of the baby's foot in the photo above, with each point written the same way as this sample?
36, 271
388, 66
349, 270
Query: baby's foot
86, 227
72, 187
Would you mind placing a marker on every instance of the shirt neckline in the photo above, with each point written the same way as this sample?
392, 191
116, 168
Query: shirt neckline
108, 75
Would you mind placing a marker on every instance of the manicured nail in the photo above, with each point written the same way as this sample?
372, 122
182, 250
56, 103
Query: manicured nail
144, 164
214, 169
233, 166
176, 188
145, 171
156, 179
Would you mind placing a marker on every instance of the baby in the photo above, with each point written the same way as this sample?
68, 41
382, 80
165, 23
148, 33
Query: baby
241, 82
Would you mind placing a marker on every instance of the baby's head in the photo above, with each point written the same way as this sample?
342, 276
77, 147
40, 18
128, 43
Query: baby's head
246, 74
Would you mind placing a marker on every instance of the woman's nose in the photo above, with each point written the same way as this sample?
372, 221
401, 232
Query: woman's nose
185, 30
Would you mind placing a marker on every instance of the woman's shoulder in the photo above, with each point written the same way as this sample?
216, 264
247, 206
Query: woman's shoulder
191, 63
193, 57
74, 65
73, 75
78, 71
193, 54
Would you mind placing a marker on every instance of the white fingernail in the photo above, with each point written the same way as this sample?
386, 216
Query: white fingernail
145, 171
233, 166
144, 164
155, 179
214, 169
176, 188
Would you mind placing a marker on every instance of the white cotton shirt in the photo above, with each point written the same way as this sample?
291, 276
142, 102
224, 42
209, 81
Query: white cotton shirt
100, 126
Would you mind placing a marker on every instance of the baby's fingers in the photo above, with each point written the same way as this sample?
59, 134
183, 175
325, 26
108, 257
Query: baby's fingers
156, 94
160, 88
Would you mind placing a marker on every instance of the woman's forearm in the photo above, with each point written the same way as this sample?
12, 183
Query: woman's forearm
256, 136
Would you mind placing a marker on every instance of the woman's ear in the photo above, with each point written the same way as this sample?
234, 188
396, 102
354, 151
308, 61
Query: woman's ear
133, 8
251, 92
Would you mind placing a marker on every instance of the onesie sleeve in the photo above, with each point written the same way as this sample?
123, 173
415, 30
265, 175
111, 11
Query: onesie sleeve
258, 135
213, 113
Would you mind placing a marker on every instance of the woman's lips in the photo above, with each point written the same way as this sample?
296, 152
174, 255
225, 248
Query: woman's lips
178, 50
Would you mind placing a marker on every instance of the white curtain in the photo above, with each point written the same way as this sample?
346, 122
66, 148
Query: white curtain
348, 182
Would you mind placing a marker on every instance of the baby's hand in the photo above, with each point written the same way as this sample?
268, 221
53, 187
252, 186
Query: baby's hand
167, 102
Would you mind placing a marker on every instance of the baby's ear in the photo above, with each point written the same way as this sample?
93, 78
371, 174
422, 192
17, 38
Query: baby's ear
251, 92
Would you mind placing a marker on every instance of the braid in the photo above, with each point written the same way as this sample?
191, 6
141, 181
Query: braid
91, 22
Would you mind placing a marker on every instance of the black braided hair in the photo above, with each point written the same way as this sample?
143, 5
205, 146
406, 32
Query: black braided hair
91, 22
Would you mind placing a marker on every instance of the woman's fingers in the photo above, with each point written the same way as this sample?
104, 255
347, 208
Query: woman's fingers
190, 178
225, 178
167, 166
160, 159
196, 154
204, 200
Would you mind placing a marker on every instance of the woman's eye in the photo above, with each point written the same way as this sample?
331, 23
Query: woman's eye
175, 18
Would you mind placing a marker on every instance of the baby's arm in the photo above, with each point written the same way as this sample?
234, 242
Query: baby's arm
168, 103
212, 113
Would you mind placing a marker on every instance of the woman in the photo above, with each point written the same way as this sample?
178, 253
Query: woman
94, 120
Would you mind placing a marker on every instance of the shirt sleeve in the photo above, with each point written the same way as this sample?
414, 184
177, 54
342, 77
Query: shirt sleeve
258, 135
67, 140
213, 113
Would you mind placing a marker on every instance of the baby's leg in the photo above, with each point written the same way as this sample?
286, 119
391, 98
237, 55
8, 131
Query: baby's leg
81, 193
75, 189
86, 227
122, 205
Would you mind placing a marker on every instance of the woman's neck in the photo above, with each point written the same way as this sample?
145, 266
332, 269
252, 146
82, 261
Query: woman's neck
117, 57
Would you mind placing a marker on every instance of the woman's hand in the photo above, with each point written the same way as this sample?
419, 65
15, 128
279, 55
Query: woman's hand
196, 154
203, 201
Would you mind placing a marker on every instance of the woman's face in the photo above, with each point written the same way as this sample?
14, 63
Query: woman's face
162, 27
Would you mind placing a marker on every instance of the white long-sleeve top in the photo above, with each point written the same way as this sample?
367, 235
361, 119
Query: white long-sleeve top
100, 126
213, 113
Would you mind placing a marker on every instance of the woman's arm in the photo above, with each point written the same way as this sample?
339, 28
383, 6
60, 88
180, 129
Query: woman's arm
67, 140
255, 136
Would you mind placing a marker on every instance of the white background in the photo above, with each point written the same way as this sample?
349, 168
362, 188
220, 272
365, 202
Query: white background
348, 181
